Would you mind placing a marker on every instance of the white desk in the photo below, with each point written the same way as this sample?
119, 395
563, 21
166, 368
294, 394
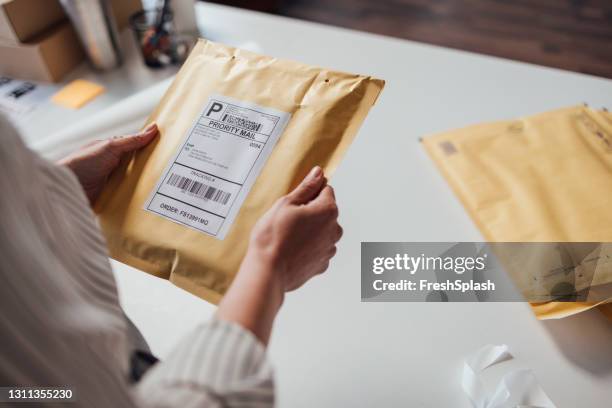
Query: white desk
133, 76
330, 349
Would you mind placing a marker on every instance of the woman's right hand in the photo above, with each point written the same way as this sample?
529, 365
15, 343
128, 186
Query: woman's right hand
298, 235
290, 244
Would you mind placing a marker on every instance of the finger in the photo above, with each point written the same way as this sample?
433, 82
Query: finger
129, 143
333, 192
339, 232
323, 268
93, 143
309, 187
325, 201
332, 252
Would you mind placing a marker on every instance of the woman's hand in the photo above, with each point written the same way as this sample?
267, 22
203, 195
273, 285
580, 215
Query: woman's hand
290, 244
298, 235
95, 162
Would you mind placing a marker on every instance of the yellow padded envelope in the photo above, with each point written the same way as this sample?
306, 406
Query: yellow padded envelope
543, 178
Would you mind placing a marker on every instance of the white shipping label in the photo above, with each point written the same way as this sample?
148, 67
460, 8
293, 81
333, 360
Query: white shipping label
205, 184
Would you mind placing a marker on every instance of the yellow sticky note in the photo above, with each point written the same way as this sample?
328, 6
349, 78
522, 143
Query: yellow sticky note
77, 93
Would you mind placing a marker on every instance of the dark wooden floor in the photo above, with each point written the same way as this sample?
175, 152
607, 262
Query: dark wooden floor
570, 34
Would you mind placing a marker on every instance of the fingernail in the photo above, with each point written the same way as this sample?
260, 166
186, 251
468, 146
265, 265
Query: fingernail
150, 127
315, 172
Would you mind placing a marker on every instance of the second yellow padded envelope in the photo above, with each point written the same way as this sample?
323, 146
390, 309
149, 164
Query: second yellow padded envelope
543, 178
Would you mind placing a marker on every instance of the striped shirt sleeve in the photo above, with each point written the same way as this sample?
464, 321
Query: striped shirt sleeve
219, 364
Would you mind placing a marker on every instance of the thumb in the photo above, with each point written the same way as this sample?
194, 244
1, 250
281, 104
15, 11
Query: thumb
129, 143
309, 188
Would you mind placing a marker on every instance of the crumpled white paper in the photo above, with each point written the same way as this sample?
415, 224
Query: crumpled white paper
518, 388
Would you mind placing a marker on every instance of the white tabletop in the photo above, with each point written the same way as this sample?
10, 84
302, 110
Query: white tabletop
331, 350
133, 76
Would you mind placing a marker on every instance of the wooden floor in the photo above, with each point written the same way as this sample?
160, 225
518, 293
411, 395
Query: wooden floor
570, 34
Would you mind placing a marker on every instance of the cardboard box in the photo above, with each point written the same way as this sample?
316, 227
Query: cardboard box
47, 57
123, 9
45, 50
21, 20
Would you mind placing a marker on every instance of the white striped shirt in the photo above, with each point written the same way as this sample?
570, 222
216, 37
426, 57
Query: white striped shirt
61, 323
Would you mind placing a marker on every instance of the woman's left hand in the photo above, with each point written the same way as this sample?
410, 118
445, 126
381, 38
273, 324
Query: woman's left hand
95, 162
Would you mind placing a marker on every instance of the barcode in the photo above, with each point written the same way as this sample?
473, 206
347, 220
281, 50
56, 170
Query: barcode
244, 123
199, 189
